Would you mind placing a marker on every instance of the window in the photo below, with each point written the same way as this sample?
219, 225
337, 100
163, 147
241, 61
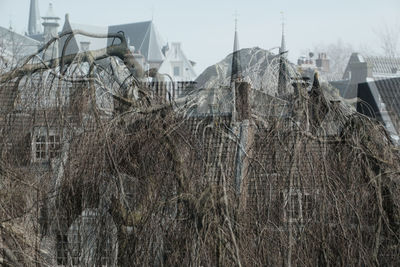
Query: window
298, 205
47, 144
41, 147
177, 71
54, 146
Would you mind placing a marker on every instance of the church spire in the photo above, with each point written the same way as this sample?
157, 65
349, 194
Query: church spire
282, 48
34, 26
236, 67
236, 38
283, 73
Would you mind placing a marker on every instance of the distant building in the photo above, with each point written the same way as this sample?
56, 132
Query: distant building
143, 38
375, 82
14, 48
308, 65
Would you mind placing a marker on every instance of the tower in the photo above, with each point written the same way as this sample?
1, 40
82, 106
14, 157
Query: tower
50, 24
50, 27
34, 26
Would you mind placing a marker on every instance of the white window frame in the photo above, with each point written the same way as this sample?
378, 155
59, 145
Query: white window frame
46, 144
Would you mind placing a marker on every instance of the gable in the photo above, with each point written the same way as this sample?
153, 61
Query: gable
144, 37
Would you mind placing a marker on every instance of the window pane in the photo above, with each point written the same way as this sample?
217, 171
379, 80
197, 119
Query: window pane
177, 71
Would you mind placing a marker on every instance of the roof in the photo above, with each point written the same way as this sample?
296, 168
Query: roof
381, 100
341, 85
173, 55
378, 67
17, 44
389, 90
50, 13
144, 37
383, 65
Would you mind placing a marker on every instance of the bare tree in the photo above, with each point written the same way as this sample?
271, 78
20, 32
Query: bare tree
388, 37
338, 54
149, 185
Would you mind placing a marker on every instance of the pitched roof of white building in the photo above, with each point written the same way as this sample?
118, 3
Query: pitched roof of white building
144, 37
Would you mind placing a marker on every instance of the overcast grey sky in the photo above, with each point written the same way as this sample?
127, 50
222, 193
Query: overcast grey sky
205, 27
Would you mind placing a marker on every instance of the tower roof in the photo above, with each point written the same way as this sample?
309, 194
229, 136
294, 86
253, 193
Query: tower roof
236, 72
282, 48
236, 38
50, 13
34, 26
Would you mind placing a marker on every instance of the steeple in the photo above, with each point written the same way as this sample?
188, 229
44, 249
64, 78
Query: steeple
236, 67
282, 48
34, 26
236, 72
236, 38
283, 73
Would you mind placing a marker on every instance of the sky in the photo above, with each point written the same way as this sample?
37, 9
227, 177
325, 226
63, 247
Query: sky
206, 27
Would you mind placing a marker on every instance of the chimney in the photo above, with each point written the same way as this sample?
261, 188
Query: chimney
322, 62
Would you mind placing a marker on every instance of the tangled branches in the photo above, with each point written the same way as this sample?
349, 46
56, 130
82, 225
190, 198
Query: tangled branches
94, 173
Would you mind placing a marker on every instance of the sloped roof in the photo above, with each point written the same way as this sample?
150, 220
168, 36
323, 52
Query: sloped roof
383, 65
175, 54
389, 90
380, 67
381, 100
144, 37
17, 44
